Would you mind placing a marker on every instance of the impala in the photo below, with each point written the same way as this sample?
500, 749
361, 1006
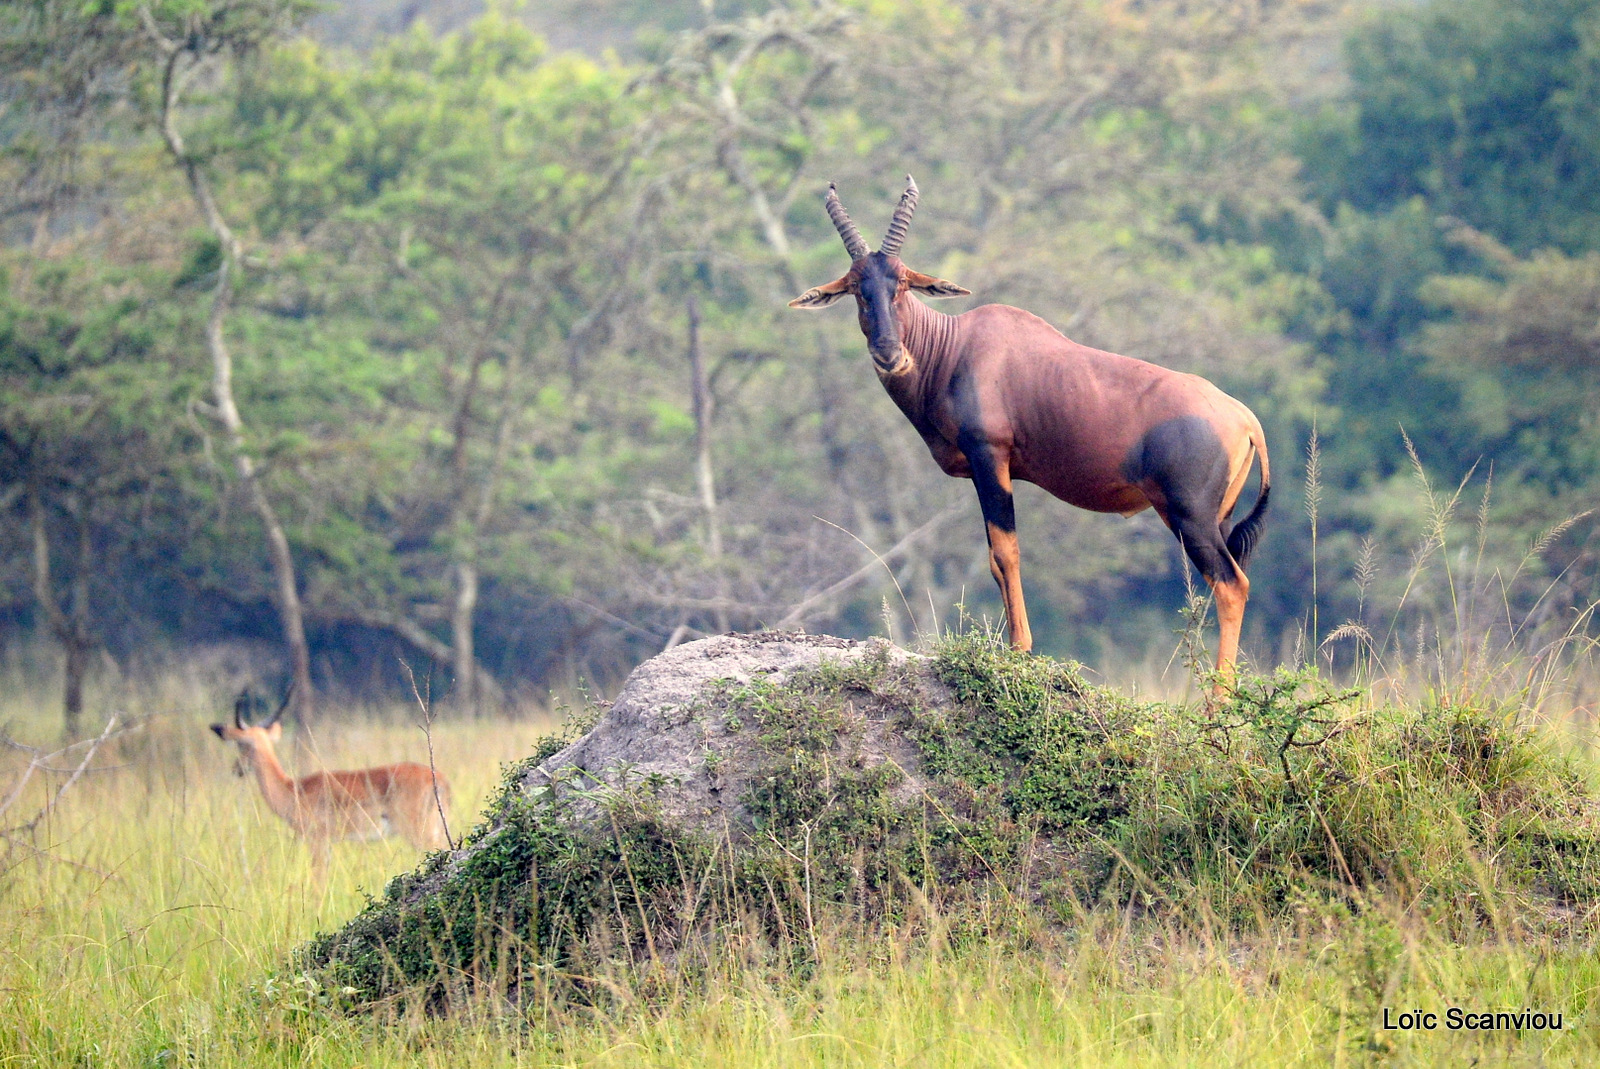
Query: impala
998, 394
368, 803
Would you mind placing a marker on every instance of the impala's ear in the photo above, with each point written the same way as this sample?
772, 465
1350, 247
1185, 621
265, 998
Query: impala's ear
934, 287
824, 295
275, 731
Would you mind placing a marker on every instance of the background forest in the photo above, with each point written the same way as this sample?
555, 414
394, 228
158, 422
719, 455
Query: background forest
383, 329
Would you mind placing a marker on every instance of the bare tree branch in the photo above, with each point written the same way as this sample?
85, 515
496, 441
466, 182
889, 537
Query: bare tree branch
797, 612
18, 834
435, 649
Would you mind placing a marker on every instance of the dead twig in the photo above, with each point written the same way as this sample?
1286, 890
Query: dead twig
18, 834
798, 611
433, 771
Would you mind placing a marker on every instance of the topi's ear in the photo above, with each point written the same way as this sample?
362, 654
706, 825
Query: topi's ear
824, 295
934, 287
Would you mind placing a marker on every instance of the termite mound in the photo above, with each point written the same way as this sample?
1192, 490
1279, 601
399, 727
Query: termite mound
757, 802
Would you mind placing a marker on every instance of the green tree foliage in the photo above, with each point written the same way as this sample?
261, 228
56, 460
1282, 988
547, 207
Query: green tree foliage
466, 269
1489, 109
1526, 350
465, 187
1456, 172
90, 392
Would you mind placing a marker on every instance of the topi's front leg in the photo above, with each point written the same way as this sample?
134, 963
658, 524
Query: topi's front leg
991, 475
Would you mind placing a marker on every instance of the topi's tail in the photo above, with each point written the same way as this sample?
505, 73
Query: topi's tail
1242, 539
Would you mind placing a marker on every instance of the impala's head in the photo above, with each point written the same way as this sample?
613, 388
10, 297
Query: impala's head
251, 737
877, 280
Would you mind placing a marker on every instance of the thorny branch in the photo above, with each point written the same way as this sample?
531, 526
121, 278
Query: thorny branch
1279, 713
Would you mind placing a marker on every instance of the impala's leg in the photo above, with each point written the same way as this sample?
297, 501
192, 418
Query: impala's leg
423, 829
991, 474
320, 849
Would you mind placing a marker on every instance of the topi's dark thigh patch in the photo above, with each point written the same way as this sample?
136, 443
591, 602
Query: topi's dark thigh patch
1184, 458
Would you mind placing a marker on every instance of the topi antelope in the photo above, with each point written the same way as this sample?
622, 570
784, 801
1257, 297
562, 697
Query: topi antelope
369, 803
998, 394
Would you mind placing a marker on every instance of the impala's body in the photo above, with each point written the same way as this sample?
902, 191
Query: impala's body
370, 803
999, 395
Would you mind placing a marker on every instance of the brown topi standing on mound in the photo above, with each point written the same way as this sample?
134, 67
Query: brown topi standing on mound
999, 394
368, 803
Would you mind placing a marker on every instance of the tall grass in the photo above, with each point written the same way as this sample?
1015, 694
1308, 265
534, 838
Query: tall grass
164, 891
158, 929
158, 934
1461, 609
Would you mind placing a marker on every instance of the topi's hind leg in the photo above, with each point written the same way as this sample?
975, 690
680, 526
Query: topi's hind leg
1203, 541
1231, 598
1193, 481
991, 475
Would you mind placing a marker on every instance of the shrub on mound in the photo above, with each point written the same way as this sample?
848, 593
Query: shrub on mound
750, 796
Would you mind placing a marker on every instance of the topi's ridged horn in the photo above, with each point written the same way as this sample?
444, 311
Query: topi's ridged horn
854, 243
901, 221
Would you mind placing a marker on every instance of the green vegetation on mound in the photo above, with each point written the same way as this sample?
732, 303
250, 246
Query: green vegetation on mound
1040, 799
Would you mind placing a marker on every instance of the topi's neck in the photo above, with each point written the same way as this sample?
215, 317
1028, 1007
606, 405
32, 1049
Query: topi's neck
928, 335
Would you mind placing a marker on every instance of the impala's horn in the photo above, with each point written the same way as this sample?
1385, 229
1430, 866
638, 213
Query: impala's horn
281, 706
854, 243
901, 221
241, 705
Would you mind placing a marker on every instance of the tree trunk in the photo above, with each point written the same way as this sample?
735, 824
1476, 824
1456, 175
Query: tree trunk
472, 512
700, 389
469, 674
287, 595
465, 660
73, 632
77, 661
79, 640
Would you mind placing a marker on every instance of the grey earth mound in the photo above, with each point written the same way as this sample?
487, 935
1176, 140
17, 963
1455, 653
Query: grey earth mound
745, 792
663, 730
668, 739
